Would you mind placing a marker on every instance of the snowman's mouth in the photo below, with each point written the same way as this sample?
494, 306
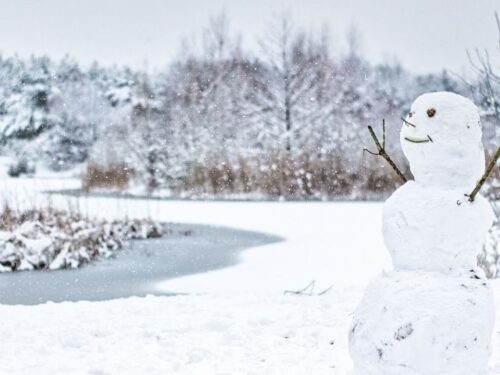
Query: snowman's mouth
419, 140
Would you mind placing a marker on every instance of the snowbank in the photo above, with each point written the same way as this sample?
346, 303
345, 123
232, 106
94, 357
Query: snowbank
188, 335
191, 335
242, 325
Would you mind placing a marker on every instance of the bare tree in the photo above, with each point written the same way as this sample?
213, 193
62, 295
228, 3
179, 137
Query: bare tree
218, 44
487, 90
293, 59
487, 86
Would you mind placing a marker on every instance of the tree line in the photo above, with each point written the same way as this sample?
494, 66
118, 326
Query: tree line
288, 120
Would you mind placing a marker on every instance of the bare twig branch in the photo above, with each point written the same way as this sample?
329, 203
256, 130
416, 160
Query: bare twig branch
383, 133
371, 152
498, 27
408, 123
485, 175
381, 151
309, 289
325, 291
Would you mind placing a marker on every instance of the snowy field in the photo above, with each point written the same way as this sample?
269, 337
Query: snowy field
232, 321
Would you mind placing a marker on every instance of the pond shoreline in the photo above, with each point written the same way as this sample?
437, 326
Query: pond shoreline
134, 270
79, 193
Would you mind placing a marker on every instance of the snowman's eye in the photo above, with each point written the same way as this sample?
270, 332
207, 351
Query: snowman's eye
431, 112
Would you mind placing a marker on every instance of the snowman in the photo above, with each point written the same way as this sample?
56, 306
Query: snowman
434, 313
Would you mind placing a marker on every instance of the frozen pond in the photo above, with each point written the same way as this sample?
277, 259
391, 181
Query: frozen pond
134, 270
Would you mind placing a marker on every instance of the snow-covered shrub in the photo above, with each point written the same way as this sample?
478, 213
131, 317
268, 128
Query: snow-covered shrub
52, 239
489, 259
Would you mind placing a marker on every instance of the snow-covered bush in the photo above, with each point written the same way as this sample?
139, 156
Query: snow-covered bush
51, 239
486, 89
489, 259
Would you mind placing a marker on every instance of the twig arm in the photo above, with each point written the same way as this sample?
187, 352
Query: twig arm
484, 177
383, 153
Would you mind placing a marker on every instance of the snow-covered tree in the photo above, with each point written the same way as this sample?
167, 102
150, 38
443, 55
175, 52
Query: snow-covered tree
27, 108
288, 120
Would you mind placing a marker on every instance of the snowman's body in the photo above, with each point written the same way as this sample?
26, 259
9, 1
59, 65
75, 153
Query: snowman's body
434, 314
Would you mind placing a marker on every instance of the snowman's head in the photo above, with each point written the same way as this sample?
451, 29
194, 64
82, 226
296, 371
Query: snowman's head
441, 137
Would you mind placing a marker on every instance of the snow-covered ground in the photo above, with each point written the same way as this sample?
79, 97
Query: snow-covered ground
235, 320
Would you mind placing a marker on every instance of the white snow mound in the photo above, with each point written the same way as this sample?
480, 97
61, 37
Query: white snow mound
432, 229
423, 323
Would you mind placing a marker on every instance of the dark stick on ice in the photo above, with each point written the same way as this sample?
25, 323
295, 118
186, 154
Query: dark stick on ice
309, 289
485, 175
381, 151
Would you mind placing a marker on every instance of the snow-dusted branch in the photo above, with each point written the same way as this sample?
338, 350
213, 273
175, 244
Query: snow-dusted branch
381, 151
484, 177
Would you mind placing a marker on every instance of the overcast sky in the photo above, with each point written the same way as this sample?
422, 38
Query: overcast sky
424, 34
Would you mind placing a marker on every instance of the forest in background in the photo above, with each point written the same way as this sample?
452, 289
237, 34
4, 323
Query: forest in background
289, 121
